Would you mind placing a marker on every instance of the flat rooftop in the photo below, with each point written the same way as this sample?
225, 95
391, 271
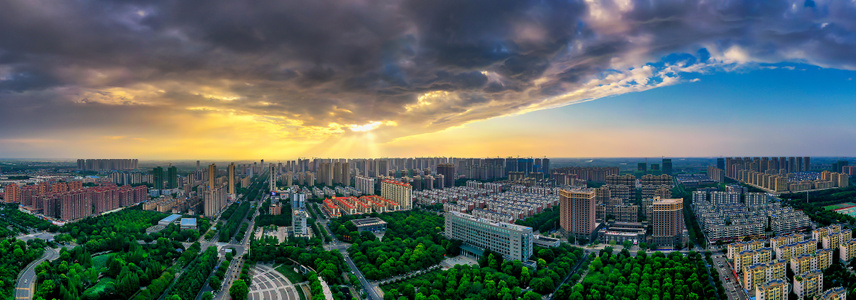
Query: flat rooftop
368, 222
188, 222
170, 219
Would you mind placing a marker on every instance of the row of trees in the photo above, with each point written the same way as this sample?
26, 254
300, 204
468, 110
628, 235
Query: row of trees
621, 276
216, 279
493, 279
234, 221
191, 281
460, 282
14, 256
14, 221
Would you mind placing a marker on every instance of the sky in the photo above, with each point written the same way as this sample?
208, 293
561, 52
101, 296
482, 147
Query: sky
335, 78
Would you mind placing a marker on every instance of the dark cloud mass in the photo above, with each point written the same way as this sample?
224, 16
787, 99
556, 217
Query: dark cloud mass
419, 66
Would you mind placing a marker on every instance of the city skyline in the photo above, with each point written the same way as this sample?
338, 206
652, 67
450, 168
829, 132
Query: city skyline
542, 79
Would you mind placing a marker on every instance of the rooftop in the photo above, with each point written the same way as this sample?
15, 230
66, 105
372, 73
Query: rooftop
171, 218
188, 222
368, 222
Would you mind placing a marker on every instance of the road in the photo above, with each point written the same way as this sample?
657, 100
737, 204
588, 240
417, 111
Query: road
343, 248
729, 282
234, 273
27, 279
372, 293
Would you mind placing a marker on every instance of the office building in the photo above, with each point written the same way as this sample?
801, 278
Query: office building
513, 242
667, 166
398, 192
299, 217
668, 221
577, 212
370, 224
157, 173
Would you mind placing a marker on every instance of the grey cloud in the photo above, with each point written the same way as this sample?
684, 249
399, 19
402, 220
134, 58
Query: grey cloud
367, 61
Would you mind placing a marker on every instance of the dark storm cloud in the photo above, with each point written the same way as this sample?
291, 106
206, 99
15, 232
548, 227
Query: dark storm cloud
351, 62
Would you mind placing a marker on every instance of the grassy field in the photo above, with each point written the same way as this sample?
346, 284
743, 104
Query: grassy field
289, 273
98, 288
100, 261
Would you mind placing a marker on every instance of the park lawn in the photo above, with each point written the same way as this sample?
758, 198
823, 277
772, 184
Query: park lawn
100, 261
289, 273
98, 288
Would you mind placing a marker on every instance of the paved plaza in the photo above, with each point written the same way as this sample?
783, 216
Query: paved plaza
268, 284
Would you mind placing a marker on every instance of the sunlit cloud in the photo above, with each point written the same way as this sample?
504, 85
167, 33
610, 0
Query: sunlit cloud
164, 72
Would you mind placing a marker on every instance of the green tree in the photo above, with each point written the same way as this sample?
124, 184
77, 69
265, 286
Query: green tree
239, 290
525, 277
530, 295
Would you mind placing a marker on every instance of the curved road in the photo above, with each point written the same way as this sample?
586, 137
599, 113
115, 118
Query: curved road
27, 279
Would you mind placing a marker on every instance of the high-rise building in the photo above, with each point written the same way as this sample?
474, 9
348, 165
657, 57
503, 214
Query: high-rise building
12, 193
212, 176
668, 221
448, 171
642, 167
577, 212
106, 164
214, 200
231, 178
720, 163
172, 177
667, 166
157, 173
513, 242
325, 173
398, 192
272, 178
365, 184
